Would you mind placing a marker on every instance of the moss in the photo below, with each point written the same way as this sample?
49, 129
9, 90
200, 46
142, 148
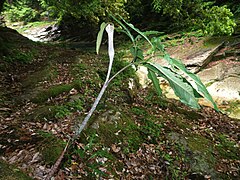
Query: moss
189, 114
51, 148
181, 123
139, 111
42, 113
198, 143
125, 131
47, 73
213, 41
233, 106
150, 130
9, 172
202, 159
203, 146
232, 109
227, 149
53, 91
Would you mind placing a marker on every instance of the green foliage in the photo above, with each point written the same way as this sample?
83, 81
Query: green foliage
99, 36
186, 85
179, 84
92, 11
199, 14
68, 108
218, 21
171, 8
20, 12
19, 56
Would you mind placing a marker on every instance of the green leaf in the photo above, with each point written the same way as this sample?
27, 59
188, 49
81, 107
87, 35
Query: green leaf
99, 36
155, 81
181, 88
137, 54
125, 28
157, 44
148, 33
137, 30
192, 79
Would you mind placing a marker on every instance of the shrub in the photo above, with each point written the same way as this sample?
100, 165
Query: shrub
218, 21
20, 13
204, 15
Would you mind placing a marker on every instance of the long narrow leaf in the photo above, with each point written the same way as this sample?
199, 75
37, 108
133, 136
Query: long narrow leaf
99, 36
192, 79
182, 89
125, 28
155, 81
148, 33
137, 30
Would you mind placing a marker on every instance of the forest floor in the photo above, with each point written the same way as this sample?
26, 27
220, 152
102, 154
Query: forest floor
45, 90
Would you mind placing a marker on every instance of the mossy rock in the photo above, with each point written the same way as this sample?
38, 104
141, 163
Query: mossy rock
234, 109
227, 149
121, 129
53, 91
198, 151
46, 73
9, 172
118, 127
42, 113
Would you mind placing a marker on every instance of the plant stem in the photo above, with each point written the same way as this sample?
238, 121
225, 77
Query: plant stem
110, 30
86, 119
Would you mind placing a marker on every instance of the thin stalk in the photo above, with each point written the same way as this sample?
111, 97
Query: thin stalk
121, 70
110, 30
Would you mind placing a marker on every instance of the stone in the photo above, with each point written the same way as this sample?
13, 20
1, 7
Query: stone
142, 76
214, 73
227, 89
219, 71
235, 113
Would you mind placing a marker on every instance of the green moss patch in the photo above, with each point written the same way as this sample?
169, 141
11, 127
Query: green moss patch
227, 149
9, 172
199, 144
50, 148
47, 73
124, 131
53, 91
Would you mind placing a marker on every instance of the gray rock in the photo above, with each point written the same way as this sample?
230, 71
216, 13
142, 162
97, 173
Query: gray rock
228, 89
199, 161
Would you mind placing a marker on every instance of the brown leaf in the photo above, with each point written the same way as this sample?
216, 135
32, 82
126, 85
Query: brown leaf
115, 148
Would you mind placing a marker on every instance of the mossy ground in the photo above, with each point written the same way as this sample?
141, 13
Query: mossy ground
9, 172
50, 148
